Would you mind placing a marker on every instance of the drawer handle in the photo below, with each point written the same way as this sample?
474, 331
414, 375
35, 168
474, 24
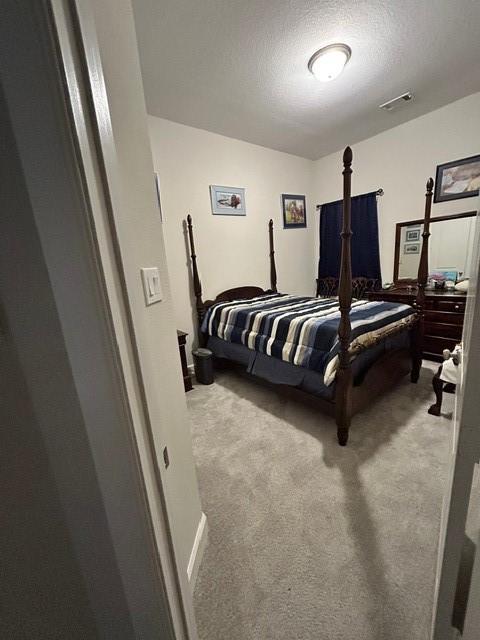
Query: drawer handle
457, 307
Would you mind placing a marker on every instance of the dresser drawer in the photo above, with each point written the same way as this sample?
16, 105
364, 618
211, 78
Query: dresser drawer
452, 306
443, 318
446, 317
443, 330
433, 344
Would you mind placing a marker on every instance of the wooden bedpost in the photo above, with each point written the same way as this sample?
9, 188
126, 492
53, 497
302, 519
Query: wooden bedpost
343, 401
273, 271
197, 286
422, 277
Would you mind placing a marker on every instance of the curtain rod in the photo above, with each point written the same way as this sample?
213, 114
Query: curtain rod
378, 192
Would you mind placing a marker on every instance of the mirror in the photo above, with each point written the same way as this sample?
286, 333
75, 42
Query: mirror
450, 245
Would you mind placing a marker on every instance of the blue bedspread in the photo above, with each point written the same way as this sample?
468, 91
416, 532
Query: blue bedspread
296, 329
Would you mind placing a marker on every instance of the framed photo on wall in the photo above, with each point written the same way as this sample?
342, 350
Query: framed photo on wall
457, 179
294, 211
412, 235
228, 201
412, 247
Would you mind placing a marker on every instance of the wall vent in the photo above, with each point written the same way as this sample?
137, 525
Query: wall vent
393, 104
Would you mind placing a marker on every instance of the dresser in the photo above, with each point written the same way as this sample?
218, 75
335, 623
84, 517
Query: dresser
444, 313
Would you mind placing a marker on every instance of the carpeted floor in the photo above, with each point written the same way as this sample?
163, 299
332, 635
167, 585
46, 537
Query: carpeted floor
308, 540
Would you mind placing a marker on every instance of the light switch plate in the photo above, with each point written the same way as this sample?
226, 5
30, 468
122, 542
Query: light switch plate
152, 287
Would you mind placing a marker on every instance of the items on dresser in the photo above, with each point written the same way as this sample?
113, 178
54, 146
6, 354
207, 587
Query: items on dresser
187, 379
444, 313
462, 285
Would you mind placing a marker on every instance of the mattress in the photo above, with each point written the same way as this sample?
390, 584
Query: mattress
277, 371
302, 331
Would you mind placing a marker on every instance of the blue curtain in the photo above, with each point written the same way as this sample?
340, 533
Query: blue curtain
365, 248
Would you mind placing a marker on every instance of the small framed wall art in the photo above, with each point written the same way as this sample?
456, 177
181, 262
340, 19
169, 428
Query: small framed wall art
412, 247
412, 235
228, 201
457, 179
294, 211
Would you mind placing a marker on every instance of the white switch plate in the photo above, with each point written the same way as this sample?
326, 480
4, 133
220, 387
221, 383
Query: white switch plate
152, 287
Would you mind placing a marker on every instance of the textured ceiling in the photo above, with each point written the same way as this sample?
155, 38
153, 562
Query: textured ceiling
239, 67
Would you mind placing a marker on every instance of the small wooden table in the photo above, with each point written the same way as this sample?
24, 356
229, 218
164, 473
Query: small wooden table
187, 379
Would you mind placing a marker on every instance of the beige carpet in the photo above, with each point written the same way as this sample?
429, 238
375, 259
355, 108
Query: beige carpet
308, 540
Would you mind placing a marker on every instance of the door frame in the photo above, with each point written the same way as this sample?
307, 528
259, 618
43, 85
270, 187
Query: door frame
60, 67
464, 455
85, 92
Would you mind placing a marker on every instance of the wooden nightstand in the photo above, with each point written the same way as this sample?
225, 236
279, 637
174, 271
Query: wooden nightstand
444, 313
187, 379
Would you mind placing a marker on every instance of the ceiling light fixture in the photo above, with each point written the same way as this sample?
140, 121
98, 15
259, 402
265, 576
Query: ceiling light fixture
328, 63
396, 102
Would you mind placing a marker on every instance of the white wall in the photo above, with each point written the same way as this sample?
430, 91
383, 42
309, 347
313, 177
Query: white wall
400, 161
231, 251
152, 367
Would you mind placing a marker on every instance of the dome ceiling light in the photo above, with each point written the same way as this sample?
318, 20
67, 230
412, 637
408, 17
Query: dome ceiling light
328, 62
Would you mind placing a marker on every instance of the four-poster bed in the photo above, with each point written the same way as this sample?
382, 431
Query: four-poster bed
343, 352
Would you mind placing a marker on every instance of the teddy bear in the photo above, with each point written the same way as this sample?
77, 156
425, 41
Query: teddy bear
447, 377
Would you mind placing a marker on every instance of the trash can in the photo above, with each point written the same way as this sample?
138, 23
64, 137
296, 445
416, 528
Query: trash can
203, 363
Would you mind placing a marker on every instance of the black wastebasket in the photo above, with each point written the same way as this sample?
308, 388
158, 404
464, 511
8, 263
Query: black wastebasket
203, 362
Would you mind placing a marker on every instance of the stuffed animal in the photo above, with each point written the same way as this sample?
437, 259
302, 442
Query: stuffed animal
455, 355
451, 368
447, 377
462, 285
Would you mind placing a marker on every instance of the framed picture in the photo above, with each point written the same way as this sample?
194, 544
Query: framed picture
294, 211
457, 179
412, 235
412, 247
228, 201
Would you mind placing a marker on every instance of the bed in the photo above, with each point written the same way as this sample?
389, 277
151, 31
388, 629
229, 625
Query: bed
341, 351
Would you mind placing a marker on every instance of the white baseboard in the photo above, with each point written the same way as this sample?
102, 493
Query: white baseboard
198, 549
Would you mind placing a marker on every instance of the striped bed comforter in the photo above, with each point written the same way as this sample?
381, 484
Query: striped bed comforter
296, 329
